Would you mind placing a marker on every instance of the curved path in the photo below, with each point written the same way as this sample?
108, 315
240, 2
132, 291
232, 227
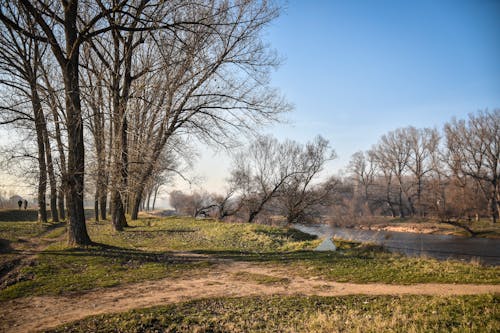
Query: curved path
231, 279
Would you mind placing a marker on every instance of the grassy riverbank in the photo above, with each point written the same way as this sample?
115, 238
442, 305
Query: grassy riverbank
175, 247
167, 261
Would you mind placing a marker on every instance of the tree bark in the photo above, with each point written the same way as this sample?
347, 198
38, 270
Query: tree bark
60, 203
103, 204
74, 178
118, 219
52, 176
137, 203
494, 203
96, 205
154, 197
42, 168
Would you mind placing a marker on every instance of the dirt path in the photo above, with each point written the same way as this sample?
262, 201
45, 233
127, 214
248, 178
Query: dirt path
232, 279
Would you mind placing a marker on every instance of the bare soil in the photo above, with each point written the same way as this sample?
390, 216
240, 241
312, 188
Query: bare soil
421, 228
434, 227
226, 279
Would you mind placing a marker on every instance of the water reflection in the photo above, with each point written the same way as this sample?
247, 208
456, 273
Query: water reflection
487, 251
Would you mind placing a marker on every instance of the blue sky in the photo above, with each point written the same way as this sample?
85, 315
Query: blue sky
357, 69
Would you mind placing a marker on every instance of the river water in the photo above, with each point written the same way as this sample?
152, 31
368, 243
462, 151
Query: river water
487, 251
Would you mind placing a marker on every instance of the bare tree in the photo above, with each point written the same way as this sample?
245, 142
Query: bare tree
262, 169
393, 152
53, 98
212, 80
20, 62
300, 195
363, 171
193, 204
474, 147
423, 146
271, 171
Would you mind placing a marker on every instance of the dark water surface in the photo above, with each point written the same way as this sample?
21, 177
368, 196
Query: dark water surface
413, 244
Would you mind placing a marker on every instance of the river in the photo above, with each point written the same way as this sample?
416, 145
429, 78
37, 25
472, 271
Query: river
442, 247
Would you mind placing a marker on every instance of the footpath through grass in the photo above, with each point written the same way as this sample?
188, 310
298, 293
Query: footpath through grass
306, 314
152, 249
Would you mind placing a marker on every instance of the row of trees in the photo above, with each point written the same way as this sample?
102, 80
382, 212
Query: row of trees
270, 179
450, 174
114, 92
453, 173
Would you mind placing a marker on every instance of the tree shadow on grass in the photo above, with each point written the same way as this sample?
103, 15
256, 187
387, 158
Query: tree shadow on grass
167, 231
293, 234
5, 246
115, 253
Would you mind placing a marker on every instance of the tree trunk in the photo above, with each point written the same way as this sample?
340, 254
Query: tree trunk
494, 203
137, 203
118, 219
74, 179
42, 168
389, 200
421, 212
401, 208
52, 177
96, 205
154, 197
60, 202
252, 216
103, 203
120, 172
148, 206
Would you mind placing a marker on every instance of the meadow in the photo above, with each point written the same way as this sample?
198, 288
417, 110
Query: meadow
279, 261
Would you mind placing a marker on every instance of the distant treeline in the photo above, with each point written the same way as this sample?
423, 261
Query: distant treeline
449, 174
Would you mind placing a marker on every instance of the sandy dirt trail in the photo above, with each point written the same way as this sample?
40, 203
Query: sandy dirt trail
231, 279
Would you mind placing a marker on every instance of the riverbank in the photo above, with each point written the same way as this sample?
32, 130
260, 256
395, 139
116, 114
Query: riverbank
482, 229
168, 261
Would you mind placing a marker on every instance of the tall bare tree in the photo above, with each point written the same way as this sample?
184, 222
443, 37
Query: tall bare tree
301, 195
474, 147
20, 63
423, 147
393, 150
272, 173
363, 170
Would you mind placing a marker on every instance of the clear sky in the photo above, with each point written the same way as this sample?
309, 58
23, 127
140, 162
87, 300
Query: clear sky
355, 70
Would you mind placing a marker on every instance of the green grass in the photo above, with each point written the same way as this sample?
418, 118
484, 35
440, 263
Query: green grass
148, 250
144, 252
13, 231
365, 263
306, 314
60, 270
186, 234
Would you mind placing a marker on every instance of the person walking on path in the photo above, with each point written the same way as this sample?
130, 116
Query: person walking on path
20, 204
25, 204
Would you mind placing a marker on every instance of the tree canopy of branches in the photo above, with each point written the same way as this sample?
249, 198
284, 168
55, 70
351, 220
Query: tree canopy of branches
456, 177
282, 176
139, 73
474, 151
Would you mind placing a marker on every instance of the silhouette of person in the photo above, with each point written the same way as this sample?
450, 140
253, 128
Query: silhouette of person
20, 203
25, 204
